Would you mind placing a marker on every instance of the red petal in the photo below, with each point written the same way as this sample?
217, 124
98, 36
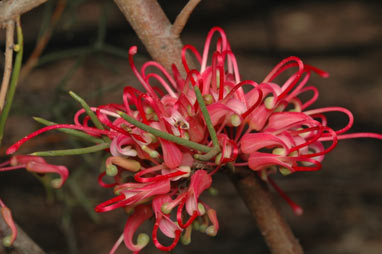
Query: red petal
141, 213
171, 154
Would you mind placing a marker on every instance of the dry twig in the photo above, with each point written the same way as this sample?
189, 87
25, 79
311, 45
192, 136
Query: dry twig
43, 41
183, 17
10, 31
10, 9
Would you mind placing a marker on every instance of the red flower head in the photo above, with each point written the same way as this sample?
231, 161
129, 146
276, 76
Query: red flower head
170, 142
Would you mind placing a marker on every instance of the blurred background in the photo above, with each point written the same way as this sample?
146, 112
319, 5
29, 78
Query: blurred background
87, 53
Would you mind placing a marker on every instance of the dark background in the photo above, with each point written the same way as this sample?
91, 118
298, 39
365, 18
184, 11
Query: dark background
342, 202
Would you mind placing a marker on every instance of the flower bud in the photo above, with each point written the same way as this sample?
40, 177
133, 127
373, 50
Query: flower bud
166, 209
213, 191
186, 237
142, 240
111, 170
203, 228
269, 102
56, 183
201, 209
235, 120
211, 231
279, 151
208, 99
285, 171
196, 225
153, 154
7, 241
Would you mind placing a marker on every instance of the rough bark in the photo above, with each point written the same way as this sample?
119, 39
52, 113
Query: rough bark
154, 29
10, 9
275, 230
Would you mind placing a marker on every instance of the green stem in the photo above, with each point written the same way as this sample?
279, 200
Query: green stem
208, 156
165, 135
206, 116
88, 111
76, 151
75, 133
14, 79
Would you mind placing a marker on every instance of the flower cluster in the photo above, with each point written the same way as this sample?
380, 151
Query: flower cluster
165, 145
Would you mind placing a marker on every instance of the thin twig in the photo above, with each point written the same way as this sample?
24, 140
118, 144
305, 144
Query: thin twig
10, 9
10, 31
183, 17
14, 79
43, 40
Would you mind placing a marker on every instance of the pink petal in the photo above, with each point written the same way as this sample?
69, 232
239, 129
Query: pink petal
259, 161
130, 196
171, 154
252, 142
212, 230
7, 216
17, 160
197, 130
141, 213
258, 118
187, 160
218, 111
44, 168
284, 120
200, 181
166, 225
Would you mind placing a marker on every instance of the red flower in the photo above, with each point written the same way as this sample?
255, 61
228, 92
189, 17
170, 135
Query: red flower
37, 165
266, 127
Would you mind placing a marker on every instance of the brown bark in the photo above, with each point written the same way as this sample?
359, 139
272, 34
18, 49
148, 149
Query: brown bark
9, 40
154, 29
22, 245
10, 9
183, 17
275, 230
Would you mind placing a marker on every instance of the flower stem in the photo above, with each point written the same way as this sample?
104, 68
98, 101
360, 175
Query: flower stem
209, 155
76, 151
75, 133
88, 111
206, 116
14, 79
165, 135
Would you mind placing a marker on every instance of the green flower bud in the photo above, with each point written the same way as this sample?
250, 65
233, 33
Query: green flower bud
143, 240
111, 170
